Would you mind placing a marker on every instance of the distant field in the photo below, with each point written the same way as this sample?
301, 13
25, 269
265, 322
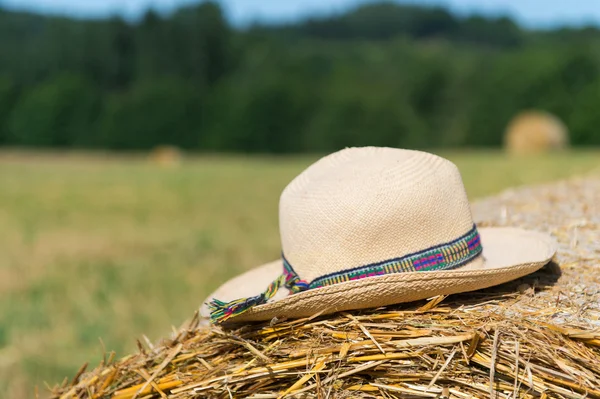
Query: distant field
98, 251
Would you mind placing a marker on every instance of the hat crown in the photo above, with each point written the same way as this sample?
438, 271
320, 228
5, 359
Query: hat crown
365, 205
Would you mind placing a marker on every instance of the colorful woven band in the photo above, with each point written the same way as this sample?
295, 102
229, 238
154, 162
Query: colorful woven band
442, 257
446, 256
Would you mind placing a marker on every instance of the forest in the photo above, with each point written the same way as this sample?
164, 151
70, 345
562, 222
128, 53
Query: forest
377, 74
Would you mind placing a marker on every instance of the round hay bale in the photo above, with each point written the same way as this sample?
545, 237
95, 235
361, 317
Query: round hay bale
534, 132
166, 156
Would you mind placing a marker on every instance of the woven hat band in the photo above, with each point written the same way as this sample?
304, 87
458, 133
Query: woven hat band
446, 256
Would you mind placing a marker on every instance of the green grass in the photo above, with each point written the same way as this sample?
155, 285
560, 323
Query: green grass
98, 252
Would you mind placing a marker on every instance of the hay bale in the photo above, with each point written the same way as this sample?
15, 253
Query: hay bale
534, 132
166, 156
538, 337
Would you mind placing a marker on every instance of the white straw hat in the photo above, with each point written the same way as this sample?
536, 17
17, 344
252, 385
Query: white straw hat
368, 227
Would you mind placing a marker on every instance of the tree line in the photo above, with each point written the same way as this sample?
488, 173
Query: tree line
378, 74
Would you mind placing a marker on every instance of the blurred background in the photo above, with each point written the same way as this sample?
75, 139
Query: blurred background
144, 144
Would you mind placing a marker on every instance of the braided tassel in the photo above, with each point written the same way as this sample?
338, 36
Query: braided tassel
221, 311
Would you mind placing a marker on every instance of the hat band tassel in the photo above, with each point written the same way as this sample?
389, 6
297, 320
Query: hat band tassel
221, 311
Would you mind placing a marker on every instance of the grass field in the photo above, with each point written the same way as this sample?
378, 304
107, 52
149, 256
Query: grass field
96, 252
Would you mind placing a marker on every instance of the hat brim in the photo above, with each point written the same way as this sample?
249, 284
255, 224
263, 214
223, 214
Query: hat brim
508, 254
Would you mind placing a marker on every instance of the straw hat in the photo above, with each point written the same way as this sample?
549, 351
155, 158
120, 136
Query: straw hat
368, 227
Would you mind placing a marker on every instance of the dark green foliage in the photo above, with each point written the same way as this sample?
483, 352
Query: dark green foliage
60, 113
382, 21
153, 113
380, 74
267, 117
8, 98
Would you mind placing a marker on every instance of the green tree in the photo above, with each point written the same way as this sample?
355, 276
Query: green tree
501, 32
268, 115
153, 113
201, 42
193, 44
60, 112
8, 98
121, 60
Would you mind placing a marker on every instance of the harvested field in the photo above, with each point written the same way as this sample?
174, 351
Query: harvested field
538, 337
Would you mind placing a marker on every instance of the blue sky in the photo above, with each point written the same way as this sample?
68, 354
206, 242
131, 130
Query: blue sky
533, 13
